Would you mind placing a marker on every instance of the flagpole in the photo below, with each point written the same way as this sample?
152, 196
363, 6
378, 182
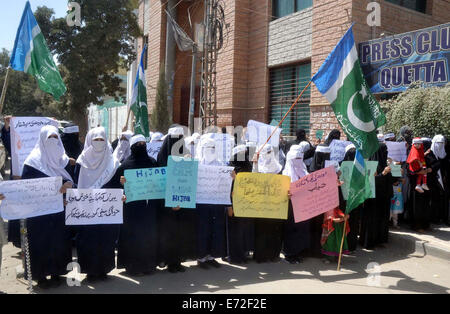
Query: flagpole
282, 120
5, 87
342, 243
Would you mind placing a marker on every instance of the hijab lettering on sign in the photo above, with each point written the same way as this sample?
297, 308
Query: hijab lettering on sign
438, 146
48, 155
122, 150
295, 167
267, 162
97, 163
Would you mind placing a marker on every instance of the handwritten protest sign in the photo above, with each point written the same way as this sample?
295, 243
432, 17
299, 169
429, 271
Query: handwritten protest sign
337, 148
145, 184
371, 169
181, 184
314, 194
154, 148
224, 144
94, 207
396, 170
214, 185
24, 136
396, 150
346, 174
259, 132
261, 195
31, 198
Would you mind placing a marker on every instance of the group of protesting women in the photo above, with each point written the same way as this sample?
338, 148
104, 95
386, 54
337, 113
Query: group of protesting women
153, 235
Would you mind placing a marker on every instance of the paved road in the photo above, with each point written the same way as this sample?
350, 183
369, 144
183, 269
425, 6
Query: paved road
402, 271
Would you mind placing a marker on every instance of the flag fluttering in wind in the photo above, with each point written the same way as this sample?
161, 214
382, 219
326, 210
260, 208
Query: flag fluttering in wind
341, 81
139, 100
31, 55
359, 189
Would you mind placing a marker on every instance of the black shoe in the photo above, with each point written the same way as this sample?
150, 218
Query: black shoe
44, 284
172, 269
180, 268
203, 265
214, 263
91, 278
55, 281
290, 260
103, 277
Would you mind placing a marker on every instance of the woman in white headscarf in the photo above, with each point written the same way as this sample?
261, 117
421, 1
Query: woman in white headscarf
95, 168
49, 238
210, 218
438, 180
296, 235
268, 232
123, 150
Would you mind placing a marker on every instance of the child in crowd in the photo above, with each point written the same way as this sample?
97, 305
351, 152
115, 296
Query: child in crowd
416, 161
332, 228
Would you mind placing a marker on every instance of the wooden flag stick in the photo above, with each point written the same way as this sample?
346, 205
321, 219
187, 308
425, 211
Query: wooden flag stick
282, 120
5, 87
342, 243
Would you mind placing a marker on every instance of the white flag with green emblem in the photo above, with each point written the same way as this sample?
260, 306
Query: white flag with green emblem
139, 100
31, 55
341, 81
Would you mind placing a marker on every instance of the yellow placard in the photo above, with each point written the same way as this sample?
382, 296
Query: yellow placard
261, 195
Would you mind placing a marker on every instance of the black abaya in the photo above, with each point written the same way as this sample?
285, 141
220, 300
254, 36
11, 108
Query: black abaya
48, 238
296, 236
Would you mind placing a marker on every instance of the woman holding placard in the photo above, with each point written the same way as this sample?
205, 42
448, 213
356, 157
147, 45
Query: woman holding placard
48, 237
210, 218
268, 232
95, 168
296, 235
138, 235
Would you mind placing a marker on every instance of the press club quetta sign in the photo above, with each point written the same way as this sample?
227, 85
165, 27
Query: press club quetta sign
392, 64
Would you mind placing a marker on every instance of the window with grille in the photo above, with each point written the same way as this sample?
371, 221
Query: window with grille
285, 7
417, 5
285, 85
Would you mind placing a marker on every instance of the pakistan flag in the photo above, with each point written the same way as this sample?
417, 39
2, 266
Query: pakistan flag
341, 81
139, 101
31, 55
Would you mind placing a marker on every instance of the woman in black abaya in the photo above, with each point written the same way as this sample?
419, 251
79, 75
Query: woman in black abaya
137, 243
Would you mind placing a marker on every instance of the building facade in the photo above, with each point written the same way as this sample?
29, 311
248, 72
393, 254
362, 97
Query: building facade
270, 51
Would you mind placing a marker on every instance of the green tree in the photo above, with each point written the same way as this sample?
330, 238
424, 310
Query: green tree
160, 116
92, 53
425, 110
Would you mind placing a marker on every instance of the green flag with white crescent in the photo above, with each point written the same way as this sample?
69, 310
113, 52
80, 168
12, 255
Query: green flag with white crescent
341, 81
31, 55
139, 101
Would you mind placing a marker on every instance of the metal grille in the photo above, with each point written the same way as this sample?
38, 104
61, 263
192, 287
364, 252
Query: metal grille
285, 85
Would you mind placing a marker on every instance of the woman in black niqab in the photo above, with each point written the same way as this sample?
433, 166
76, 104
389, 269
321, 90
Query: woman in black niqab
137, 244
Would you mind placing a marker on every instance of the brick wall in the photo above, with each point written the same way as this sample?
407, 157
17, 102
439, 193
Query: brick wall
290, 38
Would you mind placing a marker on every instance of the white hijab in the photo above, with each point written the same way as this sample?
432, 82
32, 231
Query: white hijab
97, 167
267, 162
438, 146
208, 152
123, 150
48, 155
157, 136
295, 167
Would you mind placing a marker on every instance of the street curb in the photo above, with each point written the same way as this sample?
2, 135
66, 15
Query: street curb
421, 247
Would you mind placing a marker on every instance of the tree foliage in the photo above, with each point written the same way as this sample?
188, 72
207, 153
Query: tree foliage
91, 54
160, 116
425, 110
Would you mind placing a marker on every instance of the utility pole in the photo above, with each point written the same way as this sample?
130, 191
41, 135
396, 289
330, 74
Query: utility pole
208, 90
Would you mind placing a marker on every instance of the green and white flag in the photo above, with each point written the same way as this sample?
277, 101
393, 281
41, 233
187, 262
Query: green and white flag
139, 101
341, 81
31, 55
359, 189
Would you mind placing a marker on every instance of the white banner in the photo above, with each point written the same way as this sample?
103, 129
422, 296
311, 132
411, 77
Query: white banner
337, 148
259, 132
94, 206
396, 150
31, 198
154, 148
214, 185
24, 136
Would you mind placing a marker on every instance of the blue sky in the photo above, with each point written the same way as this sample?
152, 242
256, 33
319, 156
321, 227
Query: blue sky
11, 12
